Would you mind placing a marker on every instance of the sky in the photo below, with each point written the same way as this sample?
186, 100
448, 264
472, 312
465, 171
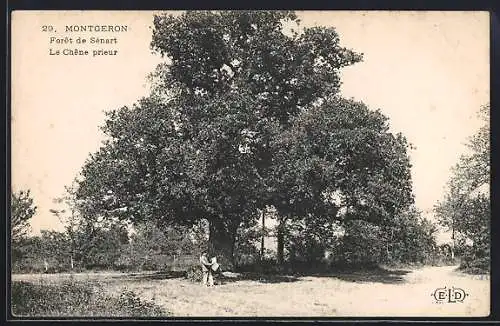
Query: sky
427, 71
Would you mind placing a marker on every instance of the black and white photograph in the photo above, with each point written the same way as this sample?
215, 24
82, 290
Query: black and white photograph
249, 163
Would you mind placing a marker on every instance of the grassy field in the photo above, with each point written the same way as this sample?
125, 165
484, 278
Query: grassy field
402, 292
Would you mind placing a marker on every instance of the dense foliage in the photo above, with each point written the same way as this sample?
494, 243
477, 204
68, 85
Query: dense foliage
411, 239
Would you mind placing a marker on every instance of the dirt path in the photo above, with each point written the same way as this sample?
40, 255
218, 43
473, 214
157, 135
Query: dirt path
395, 293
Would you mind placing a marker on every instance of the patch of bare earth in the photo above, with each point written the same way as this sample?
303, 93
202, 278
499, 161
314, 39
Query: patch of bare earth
395, 293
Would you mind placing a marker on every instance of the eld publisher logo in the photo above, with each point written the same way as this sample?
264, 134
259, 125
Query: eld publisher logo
449, 295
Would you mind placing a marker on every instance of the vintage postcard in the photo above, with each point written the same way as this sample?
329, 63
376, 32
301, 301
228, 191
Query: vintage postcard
250, 164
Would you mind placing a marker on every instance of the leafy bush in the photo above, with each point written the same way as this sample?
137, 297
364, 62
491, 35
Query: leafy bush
194, 273
473, 265
129, 302
76, 299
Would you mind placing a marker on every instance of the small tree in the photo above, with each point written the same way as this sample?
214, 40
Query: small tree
54, 249
22, 210
466, 206
69, 217
85, 232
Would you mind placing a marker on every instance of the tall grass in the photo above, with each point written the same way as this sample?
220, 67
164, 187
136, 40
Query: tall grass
77, 299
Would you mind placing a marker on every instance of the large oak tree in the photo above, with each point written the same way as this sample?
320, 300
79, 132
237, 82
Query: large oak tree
246, 114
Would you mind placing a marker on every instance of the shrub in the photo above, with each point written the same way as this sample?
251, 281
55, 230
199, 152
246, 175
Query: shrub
194, 273
475, 265
76, 299
130, 304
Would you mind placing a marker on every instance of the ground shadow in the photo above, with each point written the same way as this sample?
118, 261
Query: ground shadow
219, 278
376, 275
162, 275
372, 275
258, 277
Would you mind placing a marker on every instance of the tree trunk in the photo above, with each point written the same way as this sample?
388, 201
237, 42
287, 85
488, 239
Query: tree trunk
263, 234
221, 245
281, 242
452, 243
388, 244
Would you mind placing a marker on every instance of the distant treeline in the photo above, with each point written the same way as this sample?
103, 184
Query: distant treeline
155, 248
